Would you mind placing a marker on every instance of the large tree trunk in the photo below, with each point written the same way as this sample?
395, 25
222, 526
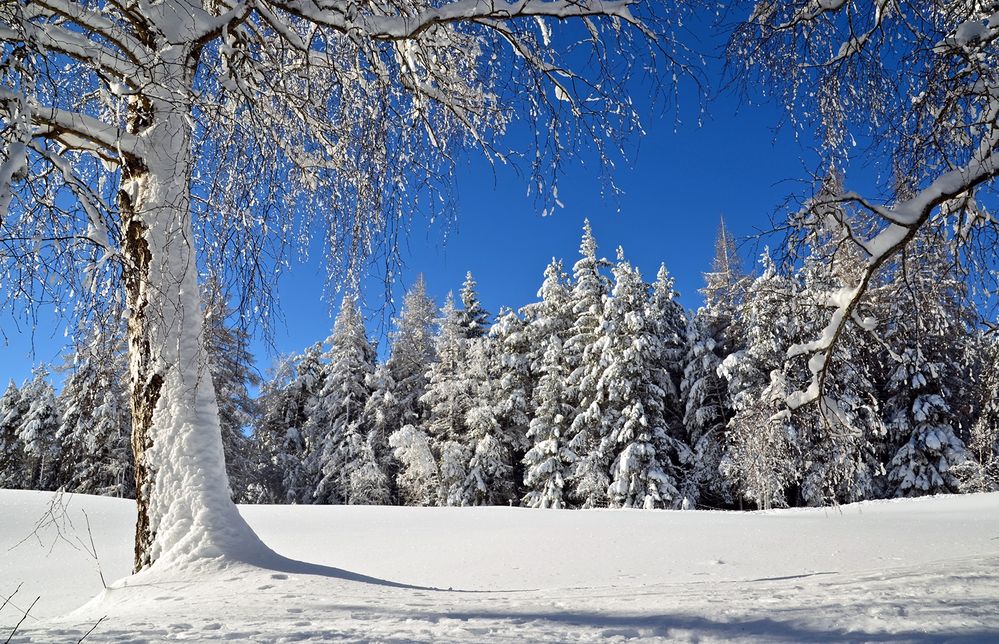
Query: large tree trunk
185, 511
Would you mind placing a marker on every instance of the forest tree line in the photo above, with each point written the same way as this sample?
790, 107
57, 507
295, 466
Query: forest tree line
605, 392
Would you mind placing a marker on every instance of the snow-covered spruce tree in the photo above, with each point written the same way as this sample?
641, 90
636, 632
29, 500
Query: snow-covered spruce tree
95, 427
669, 323
230, 364
758, 461
448, 399
584, 346
713, 334
336, 411
493, 433
279, 437
934, 139
280, 116
12, 410
927, 332
402, 379
510, 383
489, 476
474, 319
38, 432
924, 464
548, 461
637, 386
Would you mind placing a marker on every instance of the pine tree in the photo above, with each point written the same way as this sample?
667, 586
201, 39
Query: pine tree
712, 335
473, 319
448, 399
490, 476
38, 432
757, 458
335, 415
402, 380
13, 407
449, 391
419, 476
506, 391
924, 463
231, 366
96, 424
928, 334
636, 388
279, 434
583, 348
548, 460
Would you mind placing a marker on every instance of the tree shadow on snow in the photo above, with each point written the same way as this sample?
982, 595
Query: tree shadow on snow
281, 565
695, 626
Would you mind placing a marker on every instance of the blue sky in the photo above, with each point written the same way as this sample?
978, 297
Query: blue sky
677, 182
678, 185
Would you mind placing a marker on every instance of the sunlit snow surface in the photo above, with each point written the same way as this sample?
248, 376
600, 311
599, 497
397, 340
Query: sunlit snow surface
914, 570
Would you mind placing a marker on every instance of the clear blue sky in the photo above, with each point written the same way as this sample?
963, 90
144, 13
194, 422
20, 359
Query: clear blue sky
677, 185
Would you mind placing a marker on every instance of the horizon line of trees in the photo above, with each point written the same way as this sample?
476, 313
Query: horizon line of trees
605, 392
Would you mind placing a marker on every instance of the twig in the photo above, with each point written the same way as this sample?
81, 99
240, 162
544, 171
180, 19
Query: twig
11, 596
93, 549
92, 629
23, 617
57, 517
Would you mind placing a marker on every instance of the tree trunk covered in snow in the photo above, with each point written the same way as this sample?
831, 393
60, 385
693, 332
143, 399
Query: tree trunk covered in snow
183, 500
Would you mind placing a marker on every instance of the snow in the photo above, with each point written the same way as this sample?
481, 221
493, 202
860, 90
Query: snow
909, 569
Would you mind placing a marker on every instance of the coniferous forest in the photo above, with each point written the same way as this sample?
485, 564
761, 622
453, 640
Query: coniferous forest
604, 392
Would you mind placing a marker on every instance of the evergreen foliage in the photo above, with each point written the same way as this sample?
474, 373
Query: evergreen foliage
13, 407
604, 392
96, 425
231, 366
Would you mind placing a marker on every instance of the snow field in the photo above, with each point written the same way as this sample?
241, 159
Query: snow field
912, 570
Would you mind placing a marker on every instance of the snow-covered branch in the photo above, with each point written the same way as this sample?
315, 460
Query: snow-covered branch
402, 26
49, 37
93, 22
83, 132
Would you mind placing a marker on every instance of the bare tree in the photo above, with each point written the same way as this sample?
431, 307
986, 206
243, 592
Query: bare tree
913, 86
141, 137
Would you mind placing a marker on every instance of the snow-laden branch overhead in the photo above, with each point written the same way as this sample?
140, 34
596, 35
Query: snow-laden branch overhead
344, 16
54, 38
93, 22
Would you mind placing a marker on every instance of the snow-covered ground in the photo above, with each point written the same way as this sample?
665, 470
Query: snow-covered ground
916, 570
